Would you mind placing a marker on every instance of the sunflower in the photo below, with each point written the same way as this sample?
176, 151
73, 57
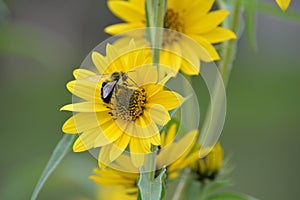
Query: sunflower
209, 166
122, 107
190, 18
177, 154
115, 184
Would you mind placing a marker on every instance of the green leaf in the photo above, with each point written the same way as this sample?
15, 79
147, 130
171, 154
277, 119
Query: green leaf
61, 149
229, 195
151, 190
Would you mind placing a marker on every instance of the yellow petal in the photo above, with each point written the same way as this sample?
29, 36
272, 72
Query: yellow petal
159, 114
99, 61
170, 100
283, 4
207, 46
69, 126
119, 147
86, 90
156, 140
198, 8
86, 140
122, 27
170, 135
111, 133
127, 11
219, 34
208, 22
81, 122
82, 73
103, 157
85, 107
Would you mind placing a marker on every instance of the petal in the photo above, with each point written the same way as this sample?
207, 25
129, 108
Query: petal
219, 34
86, 140
170, 135
159, 114
86, 90
170, 100
197, 10
119, 146
103, 157
152, 89
156, 140
127, 11
208, 22
82, 74
137, 159
85, 107
283, 4
81, 122
122, 27
99, 61
208, 47
69, 126
111, 133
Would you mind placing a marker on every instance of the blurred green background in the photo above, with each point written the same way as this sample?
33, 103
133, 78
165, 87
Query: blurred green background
41, 42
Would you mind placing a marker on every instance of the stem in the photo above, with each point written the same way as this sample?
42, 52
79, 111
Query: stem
155, 11
182, 185
228, 54
229, 47
151, 163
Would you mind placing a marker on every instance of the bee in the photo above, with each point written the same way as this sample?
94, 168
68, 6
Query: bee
111, 83
108, 87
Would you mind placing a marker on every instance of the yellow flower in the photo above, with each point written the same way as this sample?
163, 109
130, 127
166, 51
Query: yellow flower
283, 4
188, 17
115, 184
177, 154
122, 110
209, 166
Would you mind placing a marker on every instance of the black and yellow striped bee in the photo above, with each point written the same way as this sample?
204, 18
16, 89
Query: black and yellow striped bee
110, 85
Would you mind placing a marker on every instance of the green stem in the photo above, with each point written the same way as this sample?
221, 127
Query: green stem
229, 47
182, 185
155, 11
228, 55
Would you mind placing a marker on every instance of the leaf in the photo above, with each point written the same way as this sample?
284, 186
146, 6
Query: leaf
151, 190
250, 14
61, 149
230, 196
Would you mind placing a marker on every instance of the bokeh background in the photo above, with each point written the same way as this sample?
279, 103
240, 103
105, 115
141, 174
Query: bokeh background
41, 42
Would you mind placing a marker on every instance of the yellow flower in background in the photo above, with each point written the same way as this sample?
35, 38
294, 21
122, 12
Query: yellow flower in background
115, 184
283, 4
178, 154
170, 151
209, 166
121, 107
192, 18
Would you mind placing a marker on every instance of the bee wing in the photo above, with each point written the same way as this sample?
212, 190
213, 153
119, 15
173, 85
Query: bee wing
108, 88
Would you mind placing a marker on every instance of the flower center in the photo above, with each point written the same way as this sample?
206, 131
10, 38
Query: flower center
172, 21
128, 104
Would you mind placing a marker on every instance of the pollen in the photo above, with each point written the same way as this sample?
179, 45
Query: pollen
128, 104
172, 21
137, 103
